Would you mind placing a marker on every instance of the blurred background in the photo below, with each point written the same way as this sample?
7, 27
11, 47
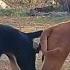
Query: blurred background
33, 15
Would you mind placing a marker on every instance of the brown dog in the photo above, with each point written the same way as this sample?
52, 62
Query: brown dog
55, 45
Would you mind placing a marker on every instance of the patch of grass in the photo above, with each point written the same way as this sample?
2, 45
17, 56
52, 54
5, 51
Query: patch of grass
52, 19
21, 13
40, 20
13, 12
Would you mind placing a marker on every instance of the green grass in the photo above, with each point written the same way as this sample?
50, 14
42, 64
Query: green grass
13, 12
53, 19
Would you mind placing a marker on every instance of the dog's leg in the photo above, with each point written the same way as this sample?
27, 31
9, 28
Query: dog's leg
13, 62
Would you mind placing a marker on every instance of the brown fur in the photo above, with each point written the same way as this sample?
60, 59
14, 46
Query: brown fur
55, 45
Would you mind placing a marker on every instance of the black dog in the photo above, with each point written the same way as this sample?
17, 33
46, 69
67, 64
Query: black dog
20, 45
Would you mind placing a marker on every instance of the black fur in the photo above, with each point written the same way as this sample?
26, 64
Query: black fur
19, 44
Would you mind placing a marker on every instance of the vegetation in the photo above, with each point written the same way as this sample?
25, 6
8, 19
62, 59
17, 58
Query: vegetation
25, 5
12, 13
52, 20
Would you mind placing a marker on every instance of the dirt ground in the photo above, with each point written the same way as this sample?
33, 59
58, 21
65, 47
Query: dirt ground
4, 61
